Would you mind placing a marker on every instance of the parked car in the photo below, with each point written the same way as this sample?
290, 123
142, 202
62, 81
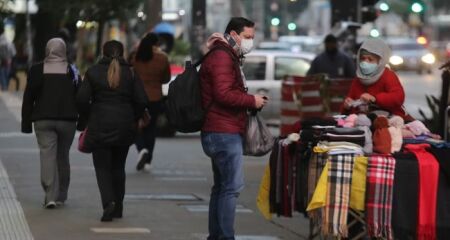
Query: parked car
266, 45
407, 54
264, 72
312, 44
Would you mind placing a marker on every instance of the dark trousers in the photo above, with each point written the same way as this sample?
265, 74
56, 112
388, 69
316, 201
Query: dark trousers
109, 166
146, 138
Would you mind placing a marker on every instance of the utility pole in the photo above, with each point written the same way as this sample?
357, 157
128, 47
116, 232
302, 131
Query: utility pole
237, 9
28, 32
154, 8
198, 37
258, 13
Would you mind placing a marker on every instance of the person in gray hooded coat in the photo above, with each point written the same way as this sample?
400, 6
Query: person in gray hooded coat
49, 102
376, 85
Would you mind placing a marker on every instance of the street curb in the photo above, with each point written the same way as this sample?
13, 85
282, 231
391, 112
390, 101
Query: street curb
13, 225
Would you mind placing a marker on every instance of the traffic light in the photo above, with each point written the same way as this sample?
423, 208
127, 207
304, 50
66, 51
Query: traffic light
275, 21
384, 6
417, 7
342, 11
292, 26
369, 12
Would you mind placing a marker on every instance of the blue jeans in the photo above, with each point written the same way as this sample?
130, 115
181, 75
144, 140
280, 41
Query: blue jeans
225, 151
4, 77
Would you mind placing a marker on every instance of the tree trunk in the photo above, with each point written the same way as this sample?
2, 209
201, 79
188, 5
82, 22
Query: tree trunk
237, 8
154, 14
46, 26
444, 102
198, 37
101, 27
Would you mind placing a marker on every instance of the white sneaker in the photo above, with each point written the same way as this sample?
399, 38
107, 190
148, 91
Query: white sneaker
50, 205
142, 159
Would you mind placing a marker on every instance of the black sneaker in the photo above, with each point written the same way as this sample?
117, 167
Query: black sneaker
142, 159
118, 211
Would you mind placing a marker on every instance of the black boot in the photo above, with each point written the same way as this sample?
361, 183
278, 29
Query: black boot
118, 210
108, 212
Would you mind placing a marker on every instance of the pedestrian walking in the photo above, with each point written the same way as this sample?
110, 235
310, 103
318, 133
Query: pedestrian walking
7, 52
333, 62
110, 101
226, 100
153, 68
49, 102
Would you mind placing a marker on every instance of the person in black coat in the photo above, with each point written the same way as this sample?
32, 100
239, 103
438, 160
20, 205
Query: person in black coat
49, 102
333, 62
110, 101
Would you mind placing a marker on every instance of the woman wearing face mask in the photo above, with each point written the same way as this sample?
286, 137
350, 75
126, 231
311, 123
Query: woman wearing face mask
376, 85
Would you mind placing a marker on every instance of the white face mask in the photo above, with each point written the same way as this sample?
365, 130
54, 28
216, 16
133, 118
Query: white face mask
246, 45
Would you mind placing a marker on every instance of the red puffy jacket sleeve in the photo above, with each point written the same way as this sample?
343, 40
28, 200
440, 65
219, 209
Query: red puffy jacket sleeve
393, 96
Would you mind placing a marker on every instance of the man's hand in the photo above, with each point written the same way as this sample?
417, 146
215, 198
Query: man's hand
367, 98
260, 101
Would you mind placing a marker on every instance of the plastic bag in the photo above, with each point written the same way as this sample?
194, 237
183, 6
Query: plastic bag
258, 140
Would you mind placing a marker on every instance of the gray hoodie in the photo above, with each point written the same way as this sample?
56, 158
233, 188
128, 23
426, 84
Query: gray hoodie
379, 48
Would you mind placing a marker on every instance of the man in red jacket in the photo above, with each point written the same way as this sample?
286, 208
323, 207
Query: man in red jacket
226, 100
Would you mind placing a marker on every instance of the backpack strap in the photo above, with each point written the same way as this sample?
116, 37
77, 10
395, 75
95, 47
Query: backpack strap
212, 50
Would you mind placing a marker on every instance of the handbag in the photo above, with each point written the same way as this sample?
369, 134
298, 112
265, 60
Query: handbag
144, 121
258, 139
82, 147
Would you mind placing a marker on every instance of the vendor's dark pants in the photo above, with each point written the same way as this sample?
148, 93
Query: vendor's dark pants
109, 166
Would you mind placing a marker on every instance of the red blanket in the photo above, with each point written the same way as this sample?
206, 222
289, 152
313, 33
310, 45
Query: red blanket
428, 183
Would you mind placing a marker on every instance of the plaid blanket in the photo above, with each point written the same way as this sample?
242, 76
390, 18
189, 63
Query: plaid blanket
379, 192
338, 195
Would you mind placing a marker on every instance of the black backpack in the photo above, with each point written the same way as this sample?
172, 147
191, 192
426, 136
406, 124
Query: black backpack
184, 101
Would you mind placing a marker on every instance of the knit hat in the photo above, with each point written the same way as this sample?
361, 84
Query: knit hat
396, 121
396, 124
363, 122
381, 136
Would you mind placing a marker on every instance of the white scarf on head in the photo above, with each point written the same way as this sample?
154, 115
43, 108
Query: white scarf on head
55, 57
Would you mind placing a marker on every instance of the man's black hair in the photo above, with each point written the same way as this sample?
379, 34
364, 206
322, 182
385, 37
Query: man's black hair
237, 24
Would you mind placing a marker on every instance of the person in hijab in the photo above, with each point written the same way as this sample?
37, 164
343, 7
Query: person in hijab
49, 102
110, 101
376, 87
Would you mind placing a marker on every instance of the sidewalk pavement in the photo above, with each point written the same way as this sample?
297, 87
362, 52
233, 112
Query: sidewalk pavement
169, 201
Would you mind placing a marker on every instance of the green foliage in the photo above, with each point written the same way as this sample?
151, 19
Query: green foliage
180, 51
433, 122
90, 10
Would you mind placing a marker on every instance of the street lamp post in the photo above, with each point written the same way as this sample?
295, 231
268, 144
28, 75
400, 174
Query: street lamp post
28, 32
